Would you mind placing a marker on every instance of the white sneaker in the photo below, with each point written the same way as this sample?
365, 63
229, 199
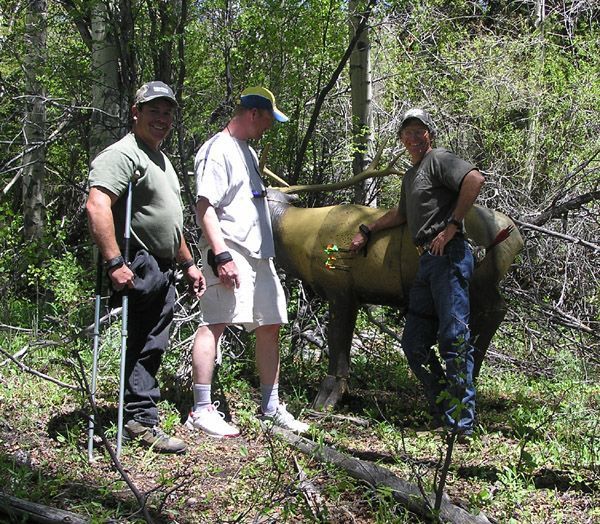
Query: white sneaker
284, 419
212, 422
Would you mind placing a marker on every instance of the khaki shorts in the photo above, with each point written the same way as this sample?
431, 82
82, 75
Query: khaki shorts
259, 301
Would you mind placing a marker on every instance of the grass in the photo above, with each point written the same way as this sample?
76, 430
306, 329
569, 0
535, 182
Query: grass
535, 457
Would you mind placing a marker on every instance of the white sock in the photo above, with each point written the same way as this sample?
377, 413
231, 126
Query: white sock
270, 398
202, 396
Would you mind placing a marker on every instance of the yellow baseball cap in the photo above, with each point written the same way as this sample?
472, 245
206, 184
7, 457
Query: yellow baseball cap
261, 98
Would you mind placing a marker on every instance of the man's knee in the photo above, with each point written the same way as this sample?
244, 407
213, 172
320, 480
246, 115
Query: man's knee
207, 337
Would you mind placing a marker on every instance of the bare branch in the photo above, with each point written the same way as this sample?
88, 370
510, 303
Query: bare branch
32, 371
15, 328
17, 355
377, 476
81, 21
570, 175
557, 210
383, 327
140, 497
590, 245
263, 169
15, 507
369, 172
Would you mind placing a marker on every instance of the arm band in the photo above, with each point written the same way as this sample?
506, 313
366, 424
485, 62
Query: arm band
223, 258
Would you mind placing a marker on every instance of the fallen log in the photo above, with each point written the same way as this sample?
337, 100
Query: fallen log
404, 492
33, 512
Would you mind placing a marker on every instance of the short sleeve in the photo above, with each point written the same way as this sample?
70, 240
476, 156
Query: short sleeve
212, 180
450, 169
112, 170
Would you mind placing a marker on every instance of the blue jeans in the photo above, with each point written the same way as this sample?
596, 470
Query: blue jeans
151, 304
438, 311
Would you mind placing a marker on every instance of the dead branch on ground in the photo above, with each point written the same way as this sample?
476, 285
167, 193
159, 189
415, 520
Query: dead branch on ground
377, 476
18, 509
140, 497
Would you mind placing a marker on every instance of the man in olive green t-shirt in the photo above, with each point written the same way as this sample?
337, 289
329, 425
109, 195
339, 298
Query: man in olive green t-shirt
156, 243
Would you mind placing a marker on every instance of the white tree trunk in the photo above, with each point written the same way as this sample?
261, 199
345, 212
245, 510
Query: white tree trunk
34, 129
362, 95
537, 94
107, 99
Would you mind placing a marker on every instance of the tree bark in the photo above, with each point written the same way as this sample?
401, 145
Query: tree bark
107, 100
534, 124
34, 129
362, 114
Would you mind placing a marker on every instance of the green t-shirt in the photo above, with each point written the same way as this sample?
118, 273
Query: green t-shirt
429, 193
156, 214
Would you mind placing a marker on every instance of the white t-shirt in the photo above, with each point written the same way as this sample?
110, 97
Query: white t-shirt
227, 176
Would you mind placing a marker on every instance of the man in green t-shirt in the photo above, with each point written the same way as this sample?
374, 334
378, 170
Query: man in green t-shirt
157, 242
437, 191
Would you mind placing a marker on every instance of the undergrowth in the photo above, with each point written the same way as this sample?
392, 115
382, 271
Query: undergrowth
535, 456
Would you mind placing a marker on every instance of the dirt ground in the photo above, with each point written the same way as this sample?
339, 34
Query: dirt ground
258, 478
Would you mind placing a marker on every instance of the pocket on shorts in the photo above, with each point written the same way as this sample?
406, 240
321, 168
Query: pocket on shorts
217, 304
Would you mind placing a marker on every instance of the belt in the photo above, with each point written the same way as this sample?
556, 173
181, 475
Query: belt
423, 248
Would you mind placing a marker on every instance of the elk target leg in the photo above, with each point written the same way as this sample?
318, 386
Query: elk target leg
485, 320
342, 319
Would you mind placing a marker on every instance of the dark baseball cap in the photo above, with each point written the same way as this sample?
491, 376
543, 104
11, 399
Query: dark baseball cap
152, 91
418, 114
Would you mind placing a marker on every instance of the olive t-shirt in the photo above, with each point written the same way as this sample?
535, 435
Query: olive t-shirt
429, 193
156, 214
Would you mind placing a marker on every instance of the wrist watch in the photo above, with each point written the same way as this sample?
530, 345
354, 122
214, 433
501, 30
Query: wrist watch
186, 264
453, 220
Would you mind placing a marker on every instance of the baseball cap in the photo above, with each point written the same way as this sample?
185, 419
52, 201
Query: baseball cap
153, 90
420, 115
261, 98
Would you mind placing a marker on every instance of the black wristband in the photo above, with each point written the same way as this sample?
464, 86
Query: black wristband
187, 264
223, 257
365, 231
114, 263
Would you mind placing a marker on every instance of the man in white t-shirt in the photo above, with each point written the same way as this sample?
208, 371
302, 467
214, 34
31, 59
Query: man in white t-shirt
238, 250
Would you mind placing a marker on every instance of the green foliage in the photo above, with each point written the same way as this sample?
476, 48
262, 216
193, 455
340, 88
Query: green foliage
65, 278
291, 47
519, 100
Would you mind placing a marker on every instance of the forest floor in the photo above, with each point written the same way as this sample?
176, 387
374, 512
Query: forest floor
534, 458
